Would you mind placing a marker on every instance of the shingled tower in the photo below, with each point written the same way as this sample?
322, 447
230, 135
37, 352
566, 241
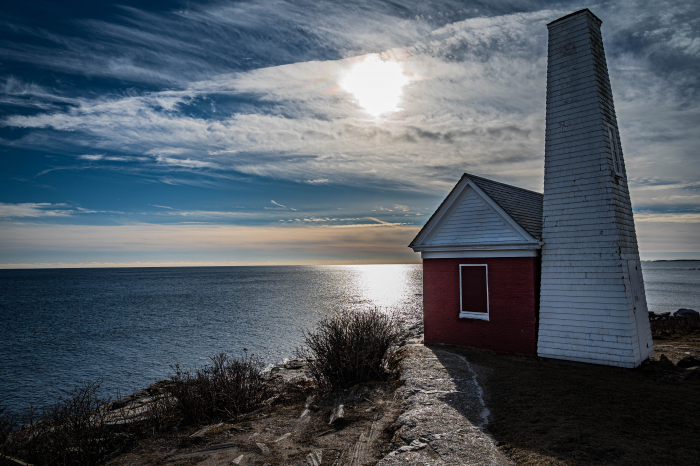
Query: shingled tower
592, 302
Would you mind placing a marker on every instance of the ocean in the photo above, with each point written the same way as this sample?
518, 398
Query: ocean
126, 327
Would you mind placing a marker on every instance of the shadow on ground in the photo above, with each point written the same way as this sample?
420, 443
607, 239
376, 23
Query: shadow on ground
547, 413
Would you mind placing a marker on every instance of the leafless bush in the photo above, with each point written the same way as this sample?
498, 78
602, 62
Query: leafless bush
8, 423
352, 347
675, 326
73, 431
224, 389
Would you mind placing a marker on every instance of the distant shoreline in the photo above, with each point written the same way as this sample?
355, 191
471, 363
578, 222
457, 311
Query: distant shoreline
675, 260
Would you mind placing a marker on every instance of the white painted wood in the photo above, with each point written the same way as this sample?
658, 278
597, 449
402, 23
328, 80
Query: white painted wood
639, 303
470, 224
480, 253
473, 221
589, 290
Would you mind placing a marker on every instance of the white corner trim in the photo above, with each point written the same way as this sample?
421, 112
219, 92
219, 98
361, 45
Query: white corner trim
473, 315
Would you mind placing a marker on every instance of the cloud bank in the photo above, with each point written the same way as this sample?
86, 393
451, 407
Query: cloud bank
219, 99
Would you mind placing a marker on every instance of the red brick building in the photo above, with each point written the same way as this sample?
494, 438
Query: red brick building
481, 267
484, 247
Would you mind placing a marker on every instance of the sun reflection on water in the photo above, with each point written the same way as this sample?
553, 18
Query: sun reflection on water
383, 286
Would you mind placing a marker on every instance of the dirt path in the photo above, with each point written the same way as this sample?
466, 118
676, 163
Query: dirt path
445, 415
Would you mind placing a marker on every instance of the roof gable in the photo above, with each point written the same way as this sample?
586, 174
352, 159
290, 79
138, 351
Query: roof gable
522, 205
471, 217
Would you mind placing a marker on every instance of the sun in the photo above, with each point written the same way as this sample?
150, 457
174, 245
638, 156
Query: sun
376, 84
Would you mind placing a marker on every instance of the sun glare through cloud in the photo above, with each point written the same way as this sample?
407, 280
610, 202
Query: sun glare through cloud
376, 84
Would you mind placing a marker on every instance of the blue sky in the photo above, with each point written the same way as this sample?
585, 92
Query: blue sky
174, 133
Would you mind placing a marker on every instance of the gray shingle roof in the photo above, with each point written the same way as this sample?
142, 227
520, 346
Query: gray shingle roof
524, 206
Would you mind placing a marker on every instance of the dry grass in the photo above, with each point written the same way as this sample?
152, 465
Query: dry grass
72, 431
82, 429
353, 347
544, 413
8, 424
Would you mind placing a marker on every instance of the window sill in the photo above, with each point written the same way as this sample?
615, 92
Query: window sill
473, 315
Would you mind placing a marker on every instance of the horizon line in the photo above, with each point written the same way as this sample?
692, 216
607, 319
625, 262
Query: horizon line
143, 265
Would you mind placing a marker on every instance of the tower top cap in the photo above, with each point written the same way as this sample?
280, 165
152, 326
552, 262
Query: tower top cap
576, 13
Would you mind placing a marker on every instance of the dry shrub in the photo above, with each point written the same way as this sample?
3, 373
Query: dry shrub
222, 390
72, 431
668, 327
351, 348
8, 423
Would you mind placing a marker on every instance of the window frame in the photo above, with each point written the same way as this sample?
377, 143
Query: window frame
615, 149
474, 315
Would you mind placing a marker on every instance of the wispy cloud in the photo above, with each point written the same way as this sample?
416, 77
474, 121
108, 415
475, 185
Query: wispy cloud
279, 206
42, 209
682, 217
330, 138
220, 98
475, 103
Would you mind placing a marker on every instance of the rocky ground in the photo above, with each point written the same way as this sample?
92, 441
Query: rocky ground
291, 432
444, 416
461, 406
304, 426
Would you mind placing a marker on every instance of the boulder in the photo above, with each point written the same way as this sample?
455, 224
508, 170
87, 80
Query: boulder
694, 374
295, 364
691, 360
686, 312
665, 362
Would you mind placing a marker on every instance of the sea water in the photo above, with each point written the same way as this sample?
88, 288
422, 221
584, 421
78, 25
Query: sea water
125, 327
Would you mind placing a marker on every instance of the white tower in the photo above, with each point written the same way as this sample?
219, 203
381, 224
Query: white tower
592, 302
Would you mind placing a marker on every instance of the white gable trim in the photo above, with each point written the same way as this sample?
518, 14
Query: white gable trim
445, 211
463, 253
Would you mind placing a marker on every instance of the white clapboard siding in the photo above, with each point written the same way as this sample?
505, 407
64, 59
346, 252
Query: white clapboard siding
474, 222
590, 307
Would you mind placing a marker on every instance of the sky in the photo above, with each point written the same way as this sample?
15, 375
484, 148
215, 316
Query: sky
160, 133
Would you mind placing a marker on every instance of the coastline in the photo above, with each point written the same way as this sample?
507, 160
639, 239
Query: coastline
526, 423
361, 434
506, 408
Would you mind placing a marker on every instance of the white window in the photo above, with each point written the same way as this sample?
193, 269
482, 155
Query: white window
474, 291
615, 148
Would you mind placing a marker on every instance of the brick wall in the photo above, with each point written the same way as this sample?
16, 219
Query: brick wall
513, 296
